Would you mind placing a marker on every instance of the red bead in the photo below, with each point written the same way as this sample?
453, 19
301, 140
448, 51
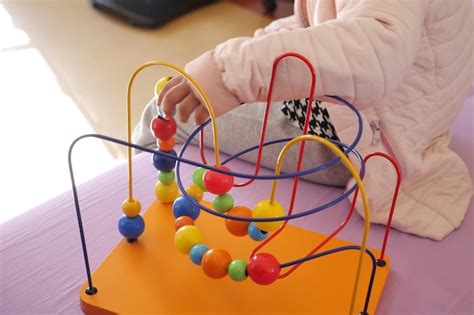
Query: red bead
182, 221
263, 268
163, 129
218, 183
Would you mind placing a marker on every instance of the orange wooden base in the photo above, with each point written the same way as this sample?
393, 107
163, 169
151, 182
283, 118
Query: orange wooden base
151, 276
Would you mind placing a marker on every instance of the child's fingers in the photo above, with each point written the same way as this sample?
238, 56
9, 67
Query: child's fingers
171, 83
174, 96
187, 106
201, 115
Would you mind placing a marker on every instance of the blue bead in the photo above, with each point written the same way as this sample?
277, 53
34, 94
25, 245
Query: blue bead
131, 227
163, 163
182, 206
255, 233
196, 253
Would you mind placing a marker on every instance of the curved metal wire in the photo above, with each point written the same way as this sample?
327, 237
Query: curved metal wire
336, 250
91, 289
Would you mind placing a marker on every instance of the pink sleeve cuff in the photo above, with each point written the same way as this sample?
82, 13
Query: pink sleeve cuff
204, 70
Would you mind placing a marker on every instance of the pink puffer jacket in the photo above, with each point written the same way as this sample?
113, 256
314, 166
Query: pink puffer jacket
406, 64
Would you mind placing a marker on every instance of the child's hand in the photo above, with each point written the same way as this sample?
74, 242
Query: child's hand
178, 93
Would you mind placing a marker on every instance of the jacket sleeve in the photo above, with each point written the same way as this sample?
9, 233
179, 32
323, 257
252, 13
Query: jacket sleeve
363, 55
287, 23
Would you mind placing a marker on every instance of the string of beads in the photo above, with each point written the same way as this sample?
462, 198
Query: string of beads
263, 268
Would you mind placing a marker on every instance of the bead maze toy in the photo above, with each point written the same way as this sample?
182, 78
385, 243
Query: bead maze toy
148, 273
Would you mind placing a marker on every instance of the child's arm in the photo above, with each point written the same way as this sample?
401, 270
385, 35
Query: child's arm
178, 92
362, 56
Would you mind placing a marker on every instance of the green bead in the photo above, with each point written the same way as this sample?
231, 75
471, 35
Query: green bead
198, 178
166, 178
223, 203
237, 270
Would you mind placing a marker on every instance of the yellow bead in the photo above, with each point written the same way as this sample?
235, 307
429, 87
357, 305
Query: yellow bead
131, 208
265, 209
195, 191
161, 84
166, 193
187, 237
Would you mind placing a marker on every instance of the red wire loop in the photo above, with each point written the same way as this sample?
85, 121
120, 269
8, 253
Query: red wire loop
262, 137
201, 146
267, 110
351, 211
299, 164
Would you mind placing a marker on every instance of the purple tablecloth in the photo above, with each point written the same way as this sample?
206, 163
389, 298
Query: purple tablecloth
41, 264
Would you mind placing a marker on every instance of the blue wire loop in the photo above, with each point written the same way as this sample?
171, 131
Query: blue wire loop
349, 149
291, 175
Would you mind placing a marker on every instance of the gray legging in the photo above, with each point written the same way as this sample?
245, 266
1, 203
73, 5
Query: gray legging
240, 129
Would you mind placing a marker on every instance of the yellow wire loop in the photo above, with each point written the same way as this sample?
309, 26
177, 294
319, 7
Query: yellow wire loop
358, 180
129, 113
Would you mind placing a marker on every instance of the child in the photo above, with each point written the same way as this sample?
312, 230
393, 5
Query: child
405, 64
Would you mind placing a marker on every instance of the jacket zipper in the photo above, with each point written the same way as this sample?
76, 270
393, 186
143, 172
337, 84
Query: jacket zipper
375, 124
379, 136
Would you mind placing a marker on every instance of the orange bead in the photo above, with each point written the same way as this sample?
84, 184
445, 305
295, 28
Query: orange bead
166, 145
235, 227
182, 221
215, 263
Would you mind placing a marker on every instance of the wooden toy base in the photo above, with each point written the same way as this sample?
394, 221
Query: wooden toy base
151, 276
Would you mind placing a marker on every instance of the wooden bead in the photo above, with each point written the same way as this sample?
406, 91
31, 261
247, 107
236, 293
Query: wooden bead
131, 208
164, 163
182, 221
131, 228
215, 263
255, 233
187, 237
183, 206
267, 209
237, 270
197, 252
166, 193
163, 128
166, 145
263, 268
198, 175
223, 203
161, 84
166, 178
195, 191
218, 183
235, 227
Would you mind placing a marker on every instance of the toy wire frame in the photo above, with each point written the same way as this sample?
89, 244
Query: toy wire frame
295, 263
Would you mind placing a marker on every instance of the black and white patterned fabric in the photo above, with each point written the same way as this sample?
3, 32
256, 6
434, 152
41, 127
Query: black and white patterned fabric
319, 123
